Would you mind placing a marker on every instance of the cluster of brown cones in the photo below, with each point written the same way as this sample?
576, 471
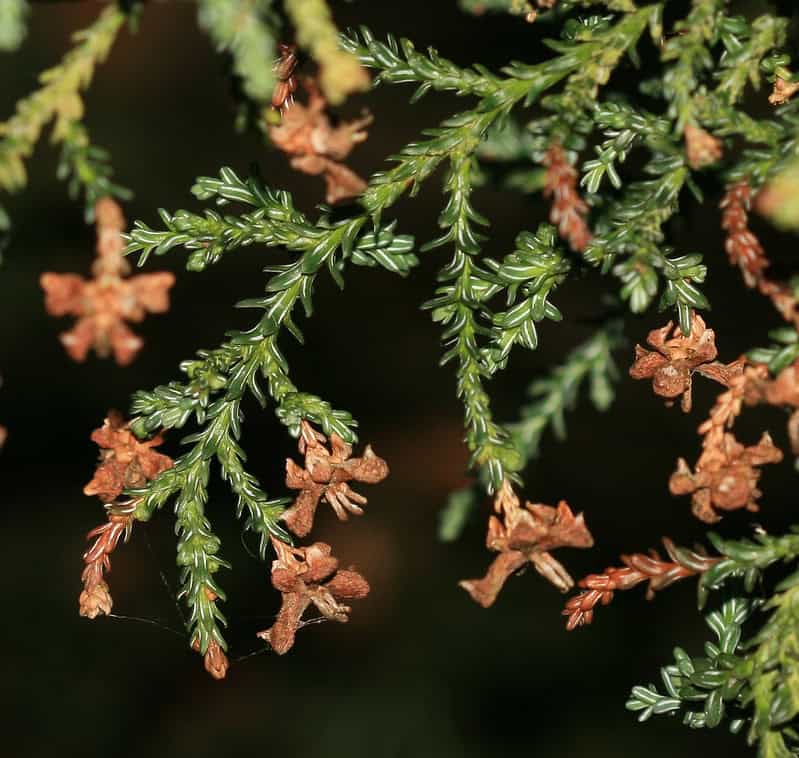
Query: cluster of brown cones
726, 474
305, 576
310, 576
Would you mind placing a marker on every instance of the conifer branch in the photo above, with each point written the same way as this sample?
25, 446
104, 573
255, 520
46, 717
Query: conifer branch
456, 306
552, 396
221, 377
87, 170
13, 24
341, 74
58, 98
247, 29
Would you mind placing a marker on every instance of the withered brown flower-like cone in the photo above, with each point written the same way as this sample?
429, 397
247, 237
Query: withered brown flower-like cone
318, 148
95, 598
725, 477
309, 576
674, 359
215, 661
638, 567
701, 148
569, 210
524, 535
325, 477
106, 302
125, 461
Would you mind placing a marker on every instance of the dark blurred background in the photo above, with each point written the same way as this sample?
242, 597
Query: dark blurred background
420, 669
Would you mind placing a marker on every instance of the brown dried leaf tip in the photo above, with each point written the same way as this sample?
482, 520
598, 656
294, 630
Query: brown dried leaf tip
215, 661
125, 461
726, 475
783, 91
726, 478
317, 148
651, 568
95, 599
106, 302
309, 576
701, 148
569, 210
527, 534
325, 477
674, 359
286, 84
743, 248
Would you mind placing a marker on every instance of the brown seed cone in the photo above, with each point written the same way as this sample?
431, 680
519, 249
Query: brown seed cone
325, 477
670, 365
309, 576
526, 535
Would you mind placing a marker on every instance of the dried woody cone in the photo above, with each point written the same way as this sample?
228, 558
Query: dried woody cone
527, 534
671, 364
125, 461
726, 474
95, 598
104, 303
651, 568
569, 210
325, 477
309, 576
316, 147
